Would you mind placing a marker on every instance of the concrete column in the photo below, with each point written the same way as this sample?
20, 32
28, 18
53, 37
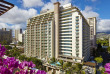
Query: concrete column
47, 69
56, 16
109, 41
52, 38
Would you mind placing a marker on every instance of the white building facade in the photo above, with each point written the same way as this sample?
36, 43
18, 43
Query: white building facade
62, 33
21, 38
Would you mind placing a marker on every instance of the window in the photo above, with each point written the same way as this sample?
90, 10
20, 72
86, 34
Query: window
77, 27
66, 25
66, 28
66, 14
65, 37
67, 22
66, 34
77, 17
66, 47
65, 11
77, 24
67, 53
65, 43
77, 55
65, 40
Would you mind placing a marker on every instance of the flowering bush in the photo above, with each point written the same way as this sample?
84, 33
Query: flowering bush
107, 68
11, 65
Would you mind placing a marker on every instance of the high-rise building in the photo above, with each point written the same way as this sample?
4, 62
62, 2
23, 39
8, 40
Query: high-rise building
109, 41
62, 33
5, 35
40, 36
92, 22
17, 32
21, 38
25, 43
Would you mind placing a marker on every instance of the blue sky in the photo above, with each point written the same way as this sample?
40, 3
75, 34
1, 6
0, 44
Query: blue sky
100, 6
25, 9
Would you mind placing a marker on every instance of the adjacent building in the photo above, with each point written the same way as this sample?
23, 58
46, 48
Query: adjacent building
17, 32
5, 35
92, 22
21, 38
109, 41
62, 33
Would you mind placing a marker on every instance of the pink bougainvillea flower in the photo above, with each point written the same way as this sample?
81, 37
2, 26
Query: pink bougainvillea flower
11, 65
107, 68
41, 72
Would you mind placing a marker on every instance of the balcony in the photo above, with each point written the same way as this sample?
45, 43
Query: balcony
77, 53
77, 35
77, 25
77, 22
77, 29
77, 50
77, 42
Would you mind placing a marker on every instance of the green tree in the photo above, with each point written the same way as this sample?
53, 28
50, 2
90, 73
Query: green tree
69, 64
8, 47
61, 62
102, 70
79, 65
20, 43
53, 60
99, 59
7, 52
108, 49
65, 66
4, 42
83, 72
76, 68
22, 57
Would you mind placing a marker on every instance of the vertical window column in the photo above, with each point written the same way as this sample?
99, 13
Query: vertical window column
77, 36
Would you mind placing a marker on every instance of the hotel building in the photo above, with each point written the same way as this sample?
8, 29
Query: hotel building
62, 33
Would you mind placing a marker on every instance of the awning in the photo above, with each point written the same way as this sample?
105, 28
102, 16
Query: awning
90, 64
5, 6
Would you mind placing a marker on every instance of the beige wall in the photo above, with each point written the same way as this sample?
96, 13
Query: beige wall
56, 16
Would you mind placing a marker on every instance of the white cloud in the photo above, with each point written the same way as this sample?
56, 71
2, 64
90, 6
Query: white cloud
50, 5
32, 3
103, 25
3, 25
13, 27
63, 2
17, 16
88, 12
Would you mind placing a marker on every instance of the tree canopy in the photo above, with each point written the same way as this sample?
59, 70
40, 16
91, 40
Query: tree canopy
108, 49
99, 59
